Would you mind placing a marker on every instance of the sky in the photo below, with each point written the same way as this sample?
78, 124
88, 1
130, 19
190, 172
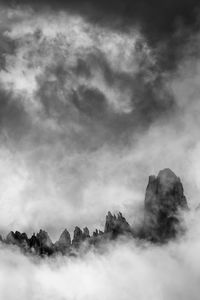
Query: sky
95, 96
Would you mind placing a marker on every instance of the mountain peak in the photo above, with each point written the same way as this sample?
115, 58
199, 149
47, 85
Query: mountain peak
167, 173
116, 225
164, 199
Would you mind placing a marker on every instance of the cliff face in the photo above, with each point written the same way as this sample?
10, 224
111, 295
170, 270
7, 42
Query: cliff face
164, 199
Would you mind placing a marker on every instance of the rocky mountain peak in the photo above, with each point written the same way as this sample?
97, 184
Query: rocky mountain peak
65, 238
44, 238
78, 237
86, 232
116, 225
164, 199
10, 238
64, 243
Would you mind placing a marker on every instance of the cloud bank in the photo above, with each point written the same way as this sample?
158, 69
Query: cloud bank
125, 270
95, 97
88, 111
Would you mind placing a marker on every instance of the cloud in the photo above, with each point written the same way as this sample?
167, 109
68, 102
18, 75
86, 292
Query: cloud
44, 68
88, 113
121, 270
93, 99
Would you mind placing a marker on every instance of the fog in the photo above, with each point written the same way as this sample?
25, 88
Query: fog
72, 113
87, 115
88, 110
124, 270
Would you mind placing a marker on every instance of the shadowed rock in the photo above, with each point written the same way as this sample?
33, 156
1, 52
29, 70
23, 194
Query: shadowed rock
64, 243
45, 243
164, 199
78, 237
86, 233
34, 244
19, 239
116, 226
97, 233
10, 239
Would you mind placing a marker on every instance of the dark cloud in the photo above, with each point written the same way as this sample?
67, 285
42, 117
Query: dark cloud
86, 100
160, 16
89, 107
84, 113
158, 20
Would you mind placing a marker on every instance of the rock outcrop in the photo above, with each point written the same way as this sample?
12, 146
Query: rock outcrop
97, 233
86, 233
116, 225
63, 245
19, 239
34, 244
164, 199
78, 237
45, 243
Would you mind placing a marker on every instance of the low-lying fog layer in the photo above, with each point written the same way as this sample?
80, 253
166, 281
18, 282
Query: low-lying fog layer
91, 103
125, 270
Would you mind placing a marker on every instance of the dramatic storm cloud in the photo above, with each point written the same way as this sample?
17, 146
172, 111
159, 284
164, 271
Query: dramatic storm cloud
89, 110
94, 97
75, 97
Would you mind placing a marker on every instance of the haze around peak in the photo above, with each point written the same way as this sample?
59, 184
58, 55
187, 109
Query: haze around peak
88, 112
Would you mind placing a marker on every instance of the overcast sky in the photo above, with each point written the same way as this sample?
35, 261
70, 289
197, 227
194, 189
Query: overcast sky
94, 97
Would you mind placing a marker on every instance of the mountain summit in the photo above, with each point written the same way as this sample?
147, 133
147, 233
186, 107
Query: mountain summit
164, 201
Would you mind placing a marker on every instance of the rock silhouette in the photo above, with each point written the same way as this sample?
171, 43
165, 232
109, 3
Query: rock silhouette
164, 200
116, 225
45, 243
63, 245
19, 239
34, 244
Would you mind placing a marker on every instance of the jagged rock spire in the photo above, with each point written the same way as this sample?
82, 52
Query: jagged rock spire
44, 238
18, 238
10, 238
45, 243
97, 233
163, 199
34, 244
116, 225
78, 237
65, 238
86, 233
64, 243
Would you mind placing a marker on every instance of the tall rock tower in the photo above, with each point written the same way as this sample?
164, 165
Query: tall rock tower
164, 199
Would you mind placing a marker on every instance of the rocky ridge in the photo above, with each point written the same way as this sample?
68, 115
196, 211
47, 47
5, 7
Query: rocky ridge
164, 201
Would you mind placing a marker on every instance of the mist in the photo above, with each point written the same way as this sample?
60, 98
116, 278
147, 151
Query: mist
93, 99
124, 269
89, 112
